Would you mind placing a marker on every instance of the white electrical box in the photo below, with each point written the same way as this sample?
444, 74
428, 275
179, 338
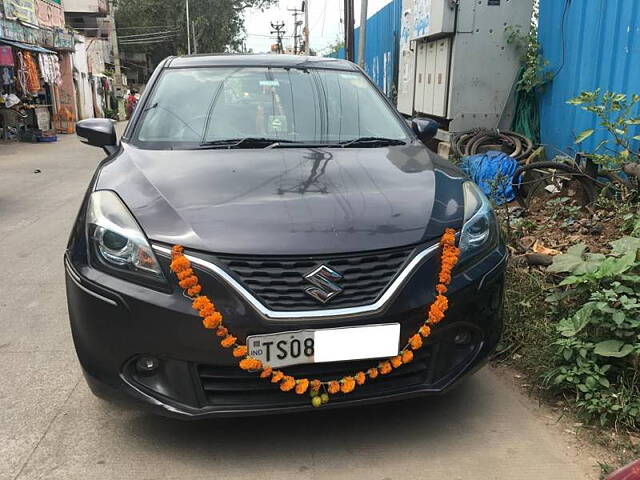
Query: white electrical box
455, 62
432, 17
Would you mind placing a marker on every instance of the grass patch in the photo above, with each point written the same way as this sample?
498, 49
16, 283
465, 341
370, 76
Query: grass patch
528, 332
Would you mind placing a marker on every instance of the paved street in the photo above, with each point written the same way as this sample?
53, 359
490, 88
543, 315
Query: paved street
51, 427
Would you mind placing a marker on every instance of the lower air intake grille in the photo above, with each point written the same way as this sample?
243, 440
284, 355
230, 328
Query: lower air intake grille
228, 386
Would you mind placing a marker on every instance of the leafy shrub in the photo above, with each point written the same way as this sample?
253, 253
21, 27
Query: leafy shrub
598, 341
617, 116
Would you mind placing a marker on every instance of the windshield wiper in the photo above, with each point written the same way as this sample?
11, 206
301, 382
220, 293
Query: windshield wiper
150, 107
246, 142
371, 141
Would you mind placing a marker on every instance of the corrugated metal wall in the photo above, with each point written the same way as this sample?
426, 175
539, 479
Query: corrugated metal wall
590, 44
382, 45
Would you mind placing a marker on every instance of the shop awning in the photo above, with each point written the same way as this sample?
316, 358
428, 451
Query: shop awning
25, 46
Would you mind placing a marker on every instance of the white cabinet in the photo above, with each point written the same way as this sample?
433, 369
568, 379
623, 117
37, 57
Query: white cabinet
455, 61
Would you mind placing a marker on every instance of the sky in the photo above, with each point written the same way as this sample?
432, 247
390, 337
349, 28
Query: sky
325, 20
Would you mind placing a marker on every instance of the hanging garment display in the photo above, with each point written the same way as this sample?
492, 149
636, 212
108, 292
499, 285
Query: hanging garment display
28, 73
49, 68
57, 75
21, 72
7, 76
6, 56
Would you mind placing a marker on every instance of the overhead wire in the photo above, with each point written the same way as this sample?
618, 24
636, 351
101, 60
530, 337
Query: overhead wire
159, 37
147, 34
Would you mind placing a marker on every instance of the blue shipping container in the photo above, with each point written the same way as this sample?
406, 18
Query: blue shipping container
382, 45
590, 44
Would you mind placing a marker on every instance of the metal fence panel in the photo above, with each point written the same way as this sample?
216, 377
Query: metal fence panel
590, 44
382, 45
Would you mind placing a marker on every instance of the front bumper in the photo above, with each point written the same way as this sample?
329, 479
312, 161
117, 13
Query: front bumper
114, 322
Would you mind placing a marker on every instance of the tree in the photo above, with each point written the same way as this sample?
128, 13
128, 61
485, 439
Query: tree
219, 25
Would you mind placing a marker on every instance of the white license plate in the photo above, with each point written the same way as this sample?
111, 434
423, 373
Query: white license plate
326, 345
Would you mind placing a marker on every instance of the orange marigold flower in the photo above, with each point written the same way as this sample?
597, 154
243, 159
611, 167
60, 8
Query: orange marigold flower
425, 331
396, 361
201, 302
277, 376
442, 302
347, 384
415, 342
372, 372
184, 274
315, 385
444, 277
287, 383
177, 250
228, 341
179, 264
407, 356
384, 368
441, 289
250, 364
207, 311
334, 387
266, 372
437, 309
449, 237
222, 331
240, 351
212, 321
193, 291
188, 282
302, 385
360, 378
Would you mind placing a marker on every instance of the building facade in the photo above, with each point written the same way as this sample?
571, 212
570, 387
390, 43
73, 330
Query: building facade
55, 66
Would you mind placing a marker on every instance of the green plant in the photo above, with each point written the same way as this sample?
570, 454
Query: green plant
113, 114
631, 224
598, 341
617, 115
528, 327
535, 72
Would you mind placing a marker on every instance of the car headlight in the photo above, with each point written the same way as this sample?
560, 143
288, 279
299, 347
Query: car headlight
116, 241
480, 229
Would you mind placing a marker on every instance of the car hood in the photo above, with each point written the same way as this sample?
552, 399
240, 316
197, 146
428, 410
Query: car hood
287, 201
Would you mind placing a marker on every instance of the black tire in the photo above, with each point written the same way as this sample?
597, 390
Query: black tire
587, 183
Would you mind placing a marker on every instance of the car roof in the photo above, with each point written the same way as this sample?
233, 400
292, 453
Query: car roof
252, 60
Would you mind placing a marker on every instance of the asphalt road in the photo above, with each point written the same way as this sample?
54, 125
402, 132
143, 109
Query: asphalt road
51, 427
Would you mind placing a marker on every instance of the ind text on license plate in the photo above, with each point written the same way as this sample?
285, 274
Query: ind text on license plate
325, 345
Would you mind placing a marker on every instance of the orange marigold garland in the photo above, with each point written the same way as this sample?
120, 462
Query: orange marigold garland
301, 386
213, 319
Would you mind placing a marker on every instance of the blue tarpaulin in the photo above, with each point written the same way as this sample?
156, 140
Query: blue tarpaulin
493, 172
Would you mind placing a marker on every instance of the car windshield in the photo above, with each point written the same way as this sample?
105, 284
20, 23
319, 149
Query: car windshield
240, 107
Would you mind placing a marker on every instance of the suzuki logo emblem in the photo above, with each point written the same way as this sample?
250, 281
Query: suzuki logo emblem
324, 287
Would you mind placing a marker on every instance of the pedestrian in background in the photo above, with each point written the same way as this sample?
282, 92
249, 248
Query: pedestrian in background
132, 100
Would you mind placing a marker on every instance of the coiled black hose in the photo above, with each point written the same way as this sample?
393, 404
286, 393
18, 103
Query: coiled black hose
472, 142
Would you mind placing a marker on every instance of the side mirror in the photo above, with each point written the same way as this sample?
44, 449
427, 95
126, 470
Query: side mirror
99, 132
424, 128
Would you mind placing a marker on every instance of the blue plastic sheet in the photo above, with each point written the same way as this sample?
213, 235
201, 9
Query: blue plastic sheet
493, 172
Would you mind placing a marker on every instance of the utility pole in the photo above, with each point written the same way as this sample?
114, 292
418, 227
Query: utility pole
279, 32
305, 8
296, 24
348, 30
363, 32
188, 30
195, 43
117, 80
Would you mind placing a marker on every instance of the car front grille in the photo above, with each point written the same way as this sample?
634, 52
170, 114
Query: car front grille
279, 283
229, 386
